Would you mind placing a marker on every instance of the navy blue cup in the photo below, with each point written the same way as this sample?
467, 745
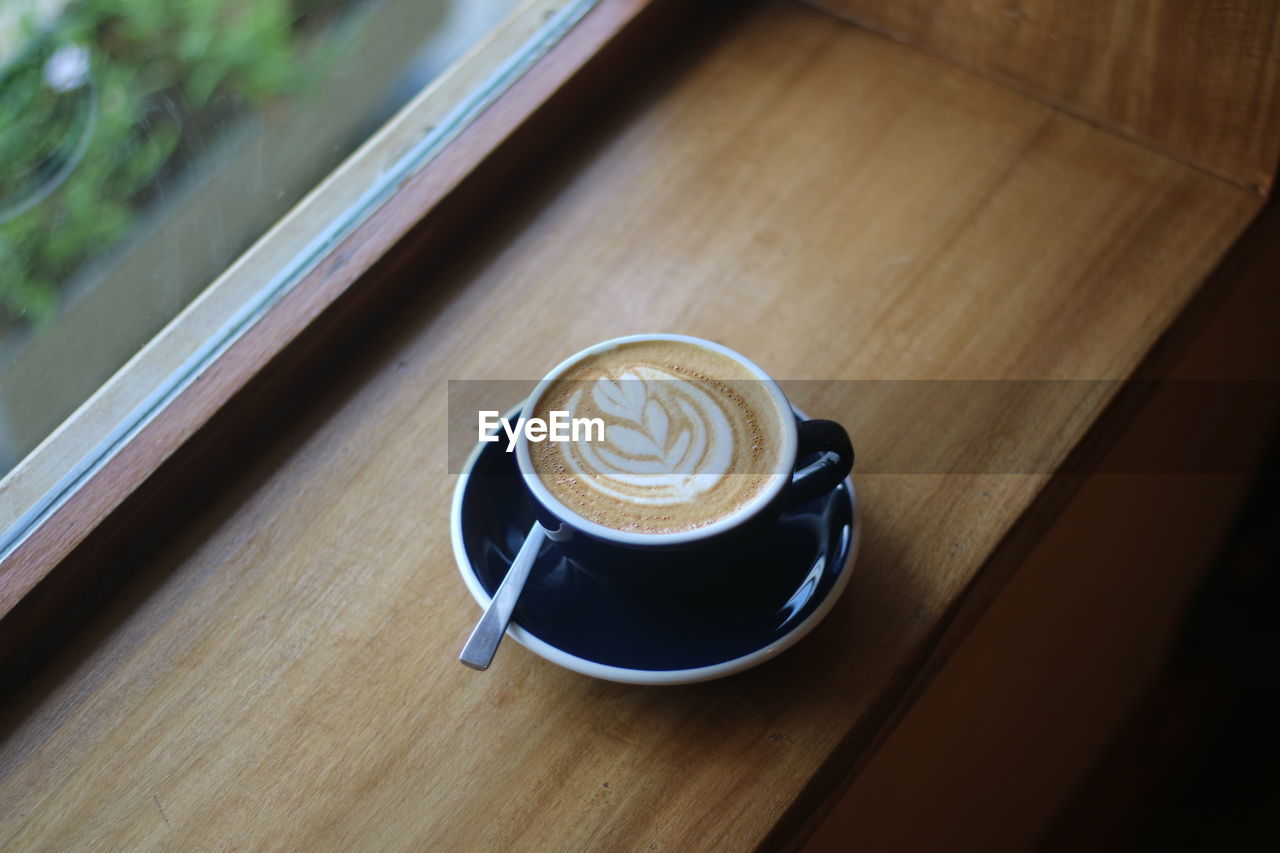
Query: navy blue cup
821, 455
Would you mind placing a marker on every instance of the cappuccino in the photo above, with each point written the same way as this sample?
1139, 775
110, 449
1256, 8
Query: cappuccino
691, 437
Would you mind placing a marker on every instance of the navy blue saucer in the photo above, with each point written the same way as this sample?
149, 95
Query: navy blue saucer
764, 594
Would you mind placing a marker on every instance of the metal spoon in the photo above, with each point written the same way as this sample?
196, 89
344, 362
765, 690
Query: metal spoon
483, 643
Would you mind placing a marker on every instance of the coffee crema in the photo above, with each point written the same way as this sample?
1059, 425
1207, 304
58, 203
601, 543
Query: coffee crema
691, 437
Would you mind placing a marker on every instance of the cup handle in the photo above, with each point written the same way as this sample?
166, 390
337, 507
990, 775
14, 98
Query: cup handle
832, 464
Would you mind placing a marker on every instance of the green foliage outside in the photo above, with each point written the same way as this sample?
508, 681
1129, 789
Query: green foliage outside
164, 72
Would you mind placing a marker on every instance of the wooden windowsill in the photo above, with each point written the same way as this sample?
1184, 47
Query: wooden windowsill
832, 203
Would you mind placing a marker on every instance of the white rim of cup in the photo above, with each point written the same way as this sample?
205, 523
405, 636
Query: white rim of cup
535, 485
654, 677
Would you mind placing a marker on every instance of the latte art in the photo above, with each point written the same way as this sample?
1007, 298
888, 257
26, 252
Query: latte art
666, 440
690, 437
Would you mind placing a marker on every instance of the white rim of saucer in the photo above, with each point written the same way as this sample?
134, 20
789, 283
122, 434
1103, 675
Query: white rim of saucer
626, 675
790, 441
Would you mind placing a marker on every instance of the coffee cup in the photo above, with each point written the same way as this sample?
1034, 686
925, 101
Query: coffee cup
683, 444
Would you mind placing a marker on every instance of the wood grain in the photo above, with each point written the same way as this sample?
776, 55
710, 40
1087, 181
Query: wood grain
1198, 80
834, 204
1034, 693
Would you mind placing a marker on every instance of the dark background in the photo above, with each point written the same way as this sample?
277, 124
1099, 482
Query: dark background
1197, 765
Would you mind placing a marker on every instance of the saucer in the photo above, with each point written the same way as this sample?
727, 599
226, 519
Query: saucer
577, 617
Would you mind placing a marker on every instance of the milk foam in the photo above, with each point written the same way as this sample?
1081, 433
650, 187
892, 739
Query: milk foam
690, 437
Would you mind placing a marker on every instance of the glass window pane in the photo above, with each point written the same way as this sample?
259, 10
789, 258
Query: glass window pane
146, 144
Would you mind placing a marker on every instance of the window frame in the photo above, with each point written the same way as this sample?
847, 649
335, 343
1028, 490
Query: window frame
351, 277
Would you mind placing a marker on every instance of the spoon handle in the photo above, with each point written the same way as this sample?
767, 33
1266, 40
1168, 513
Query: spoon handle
483, 643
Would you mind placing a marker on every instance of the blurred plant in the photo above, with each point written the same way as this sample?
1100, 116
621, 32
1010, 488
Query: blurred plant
102, 103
